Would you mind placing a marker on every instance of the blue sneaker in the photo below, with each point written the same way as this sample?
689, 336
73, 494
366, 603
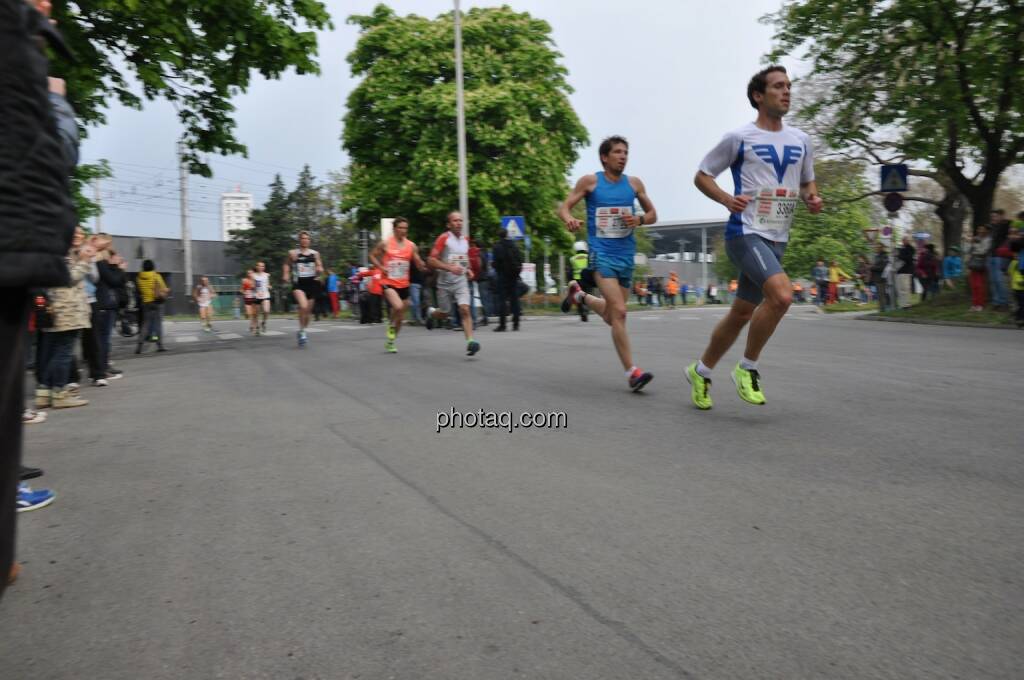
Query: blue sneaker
33, 500
303, 339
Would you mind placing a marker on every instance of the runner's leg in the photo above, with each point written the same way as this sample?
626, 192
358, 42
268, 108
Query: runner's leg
778, 295
303, 303
613, 310
727, 330
397, 306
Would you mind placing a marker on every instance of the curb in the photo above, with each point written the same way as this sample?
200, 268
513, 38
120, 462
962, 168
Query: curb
934, 322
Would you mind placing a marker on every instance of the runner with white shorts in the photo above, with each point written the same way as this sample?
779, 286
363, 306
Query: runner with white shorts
261, 279
450, 257
773, 169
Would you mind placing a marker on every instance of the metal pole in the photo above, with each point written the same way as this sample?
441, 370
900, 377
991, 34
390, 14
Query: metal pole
186, 233
99, 207
460, 115
704, 259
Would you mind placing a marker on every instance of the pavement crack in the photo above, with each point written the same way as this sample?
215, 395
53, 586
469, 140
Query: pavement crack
619, 628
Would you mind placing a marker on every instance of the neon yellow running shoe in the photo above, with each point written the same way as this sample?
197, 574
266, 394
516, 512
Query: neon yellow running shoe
391, 333
389, 345
748, 385
699, 387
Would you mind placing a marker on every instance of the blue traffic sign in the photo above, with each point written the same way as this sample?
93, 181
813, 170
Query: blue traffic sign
894, 177
515, 225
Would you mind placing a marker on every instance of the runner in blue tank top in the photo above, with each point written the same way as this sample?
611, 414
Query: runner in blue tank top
611, 198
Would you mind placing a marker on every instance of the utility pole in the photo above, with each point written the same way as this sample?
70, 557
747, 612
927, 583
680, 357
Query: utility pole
99, 207
704, 259
460, 115
186, 233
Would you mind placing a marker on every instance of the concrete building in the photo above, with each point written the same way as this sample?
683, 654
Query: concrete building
235, 210
209, 258
685, 247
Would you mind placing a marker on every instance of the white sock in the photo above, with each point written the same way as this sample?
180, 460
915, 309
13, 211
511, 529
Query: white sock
629, 373
702, 370
747, 364
579, 297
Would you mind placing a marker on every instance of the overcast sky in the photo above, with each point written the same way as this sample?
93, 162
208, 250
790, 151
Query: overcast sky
669, 75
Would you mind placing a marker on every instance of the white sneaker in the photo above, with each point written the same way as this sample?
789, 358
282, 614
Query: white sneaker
99, 382
30, 417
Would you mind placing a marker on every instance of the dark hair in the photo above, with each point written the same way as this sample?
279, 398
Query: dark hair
399, 220
608, 143
448, 217
930, 247
148, 266
304, 233
759, 83
503, 233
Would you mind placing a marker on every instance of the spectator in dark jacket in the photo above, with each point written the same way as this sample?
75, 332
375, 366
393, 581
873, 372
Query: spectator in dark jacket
109, 287
928, 272
38, 152
508, 263
904, 273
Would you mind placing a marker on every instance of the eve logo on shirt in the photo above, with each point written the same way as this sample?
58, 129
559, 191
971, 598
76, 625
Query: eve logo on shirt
790, 156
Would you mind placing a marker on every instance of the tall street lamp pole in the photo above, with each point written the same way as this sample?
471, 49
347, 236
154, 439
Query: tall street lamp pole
460, 114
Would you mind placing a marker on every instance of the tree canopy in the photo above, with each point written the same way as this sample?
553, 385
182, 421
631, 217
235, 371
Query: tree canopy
933, 81
194, 53
312, 207
522, 135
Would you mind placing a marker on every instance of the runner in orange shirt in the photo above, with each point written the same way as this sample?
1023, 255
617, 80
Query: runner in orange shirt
393, 257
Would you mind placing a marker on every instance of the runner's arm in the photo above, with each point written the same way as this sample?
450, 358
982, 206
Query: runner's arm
287, 273
435, 256
319, 263
376, 254
583, 187
809, 193
420, 264
645, 203
709, 187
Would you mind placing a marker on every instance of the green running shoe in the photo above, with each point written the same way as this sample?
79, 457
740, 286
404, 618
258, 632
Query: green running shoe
748, 385
699, 387
389, 345
391, 333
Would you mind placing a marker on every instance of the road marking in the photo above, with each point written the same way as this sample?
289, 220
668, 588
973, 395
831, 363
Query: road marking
187, 338
689, 318
228, 336
650, 318
315, 330
271, 333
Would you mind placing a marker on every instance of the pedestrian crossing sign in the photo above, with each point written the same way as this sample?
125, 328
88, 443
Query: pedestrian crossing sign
894, 178
515, 225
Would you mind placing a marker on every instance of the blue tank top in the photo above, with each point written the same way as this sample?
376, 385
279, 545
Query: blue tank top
607, 204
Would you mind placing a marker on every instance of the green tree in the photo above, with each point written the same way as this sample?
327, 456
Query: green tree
194, 53
271, 236
936, 82
837, 233
338, 238
400, 130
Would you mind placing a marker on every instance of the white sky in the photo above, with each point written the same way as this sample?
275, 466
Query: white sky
669, 75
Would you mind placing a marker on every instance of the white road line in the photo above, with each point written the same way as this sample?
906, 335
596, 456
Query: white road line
228, 336
272, 333
187, 338
688, 318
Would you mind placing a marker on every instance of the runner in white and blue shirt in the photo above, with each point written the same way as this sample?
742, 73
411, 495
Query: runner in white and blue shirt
772, 167
612, 217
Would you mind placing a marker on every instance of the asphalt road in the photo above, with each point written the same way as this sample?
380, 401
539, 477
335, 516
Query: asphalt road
240, 508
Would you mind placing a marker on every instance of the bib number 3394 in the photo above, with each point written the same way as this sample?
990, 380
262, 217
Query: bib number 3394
610, 221
775, 208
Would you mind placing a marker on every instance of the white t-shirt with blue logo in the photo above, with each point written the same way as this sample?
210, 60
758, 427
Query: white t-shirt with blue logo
769, 167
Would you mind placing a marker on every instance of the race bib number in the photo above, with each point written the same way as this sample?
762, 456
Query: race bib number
398, 269
305, 269
774, 208
610, 221
261, 285
460, 259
